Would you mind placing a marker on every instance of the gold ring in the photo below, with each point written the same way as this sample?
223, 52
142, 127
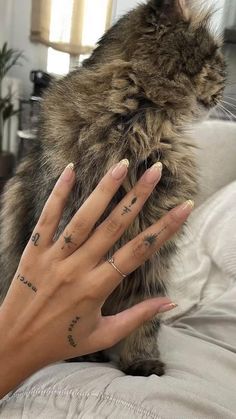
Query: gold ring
111, 261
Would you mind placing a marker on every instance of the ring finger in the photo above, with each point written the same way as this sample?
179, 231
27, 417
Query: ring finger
139, 250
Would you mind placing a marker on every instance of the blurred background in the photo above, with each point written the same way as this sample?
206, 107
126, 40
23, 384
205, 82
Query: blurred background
45, 39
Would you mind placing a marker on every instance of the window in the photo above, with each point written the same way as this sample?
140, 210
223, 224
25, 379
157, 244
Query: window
58, 62
94, 22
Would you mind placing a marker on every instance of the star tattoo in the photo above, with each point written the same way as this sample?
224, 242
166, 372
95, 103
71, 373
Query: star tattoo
68, 241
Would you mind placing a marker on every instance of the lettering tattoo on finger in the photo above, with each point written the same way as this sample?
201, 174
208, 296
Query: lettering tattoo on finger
68, 241
35, 239
70, 330
27, 283
126, 210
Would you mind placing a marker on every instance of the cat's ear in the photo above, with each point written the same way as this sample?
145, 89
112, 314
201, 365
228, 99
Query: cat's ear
170, 10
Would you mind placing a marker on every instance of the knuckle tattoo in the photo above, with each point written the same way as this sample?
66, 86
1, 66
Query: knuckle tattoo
68, 241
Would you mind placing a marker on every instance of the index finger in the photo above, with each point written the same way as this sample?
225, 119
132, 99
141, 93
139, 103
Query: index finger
98, 200
52, 212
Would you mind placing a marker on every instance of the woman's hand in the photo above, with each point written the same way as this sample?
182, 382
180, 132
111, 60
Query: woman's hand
52, 311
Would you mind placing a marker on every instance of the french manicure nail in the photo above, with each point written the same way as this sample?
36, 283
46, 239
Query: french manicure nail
68, 172
184, 209
167, 307
153, 174
120, 170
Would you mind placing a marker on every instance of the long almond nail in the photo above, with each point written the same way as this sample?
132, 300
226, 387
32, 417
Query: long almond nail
67, 175
167, 307
153, 174
120, 170
184, 209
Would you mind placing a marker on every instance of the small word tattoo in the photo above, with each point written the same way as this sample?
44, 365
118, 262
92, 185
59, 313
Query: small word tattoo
35, 239
70, 329
68, 241
150, 240
24, 281
126, 210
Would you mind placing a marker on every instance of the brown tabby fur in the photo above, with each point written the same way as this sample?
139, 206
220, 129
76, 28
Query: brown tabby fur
153, 73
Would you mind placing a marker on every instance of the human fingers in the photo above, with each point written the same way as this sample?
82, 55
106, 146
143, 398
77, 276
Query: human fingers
123, 324
141, 248
108, 232
23, 287
52, 212
78, 230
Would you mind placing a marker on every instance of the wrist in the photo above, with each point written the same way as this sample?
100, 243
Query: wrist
17, 361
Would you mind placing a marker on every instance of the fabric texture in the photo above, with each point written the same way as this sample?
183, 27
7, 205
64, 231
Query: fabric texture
209, 247
69, 37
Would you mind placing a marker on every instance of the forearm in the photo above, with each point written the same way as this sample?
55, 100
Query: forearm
17, 362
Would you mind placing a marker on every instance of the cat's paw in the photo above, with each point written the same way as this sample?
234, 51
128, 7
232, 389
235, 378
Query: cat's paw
145, 367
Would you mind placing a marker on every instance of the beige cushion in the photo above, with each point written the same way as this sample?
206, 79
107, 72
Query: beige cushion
216, 155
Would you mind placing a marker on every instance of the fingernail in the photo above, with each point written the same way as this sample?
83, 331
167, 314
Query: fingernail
153, 174
67, 175
167, 307
184, 209
120, 170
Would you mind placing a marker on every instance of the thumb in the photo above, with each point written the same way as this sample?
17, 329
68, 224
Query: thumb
117, 327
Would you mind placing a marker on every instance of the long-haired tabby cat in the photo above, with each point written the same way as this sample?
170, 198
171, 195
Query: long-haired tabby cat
153, 73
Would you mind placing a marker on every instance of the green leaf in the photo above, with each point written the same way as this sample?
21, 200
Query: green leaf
8, 59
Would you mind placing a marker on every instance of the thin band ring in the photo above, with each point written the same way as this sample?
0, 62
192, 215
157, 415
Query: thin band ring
111, 261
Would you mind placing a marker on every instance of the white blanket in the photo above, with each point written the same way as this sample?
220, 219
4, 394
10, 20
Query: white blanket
205, 266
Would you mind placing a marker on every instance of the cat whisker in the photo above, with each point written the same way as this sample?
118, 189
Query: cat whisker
220, 108
218, 113
230, 98
228, 103
228, 112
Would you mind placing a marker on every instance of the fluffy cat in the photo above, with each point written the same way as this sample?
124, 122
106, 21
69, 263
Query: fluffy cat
154, 72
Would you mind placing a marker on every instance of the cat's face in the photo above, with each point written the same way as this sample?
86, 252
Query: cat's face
176, 59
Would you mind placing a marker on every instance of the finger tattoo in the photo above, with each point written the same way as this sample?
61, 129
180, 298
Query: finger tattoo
126, 210
35, 239
26, 282
152, 238
68, 241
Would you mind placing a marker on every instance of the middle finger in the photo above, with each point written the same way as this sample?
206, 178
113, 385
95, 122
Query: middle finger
107, 233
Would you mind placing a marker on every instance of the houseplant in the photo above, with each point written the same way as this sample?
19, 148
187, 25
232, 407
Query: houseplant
8, 59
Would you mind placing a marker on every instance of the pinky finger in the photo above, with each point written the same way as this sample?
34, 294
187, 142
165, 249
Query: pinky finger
123, 324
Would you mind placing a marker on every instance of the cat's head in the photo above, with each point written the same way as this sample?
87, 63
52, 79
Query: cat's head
176, 58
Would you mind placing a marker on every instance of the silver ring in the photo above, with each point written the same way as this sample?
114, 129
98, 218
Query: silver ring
111, 261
